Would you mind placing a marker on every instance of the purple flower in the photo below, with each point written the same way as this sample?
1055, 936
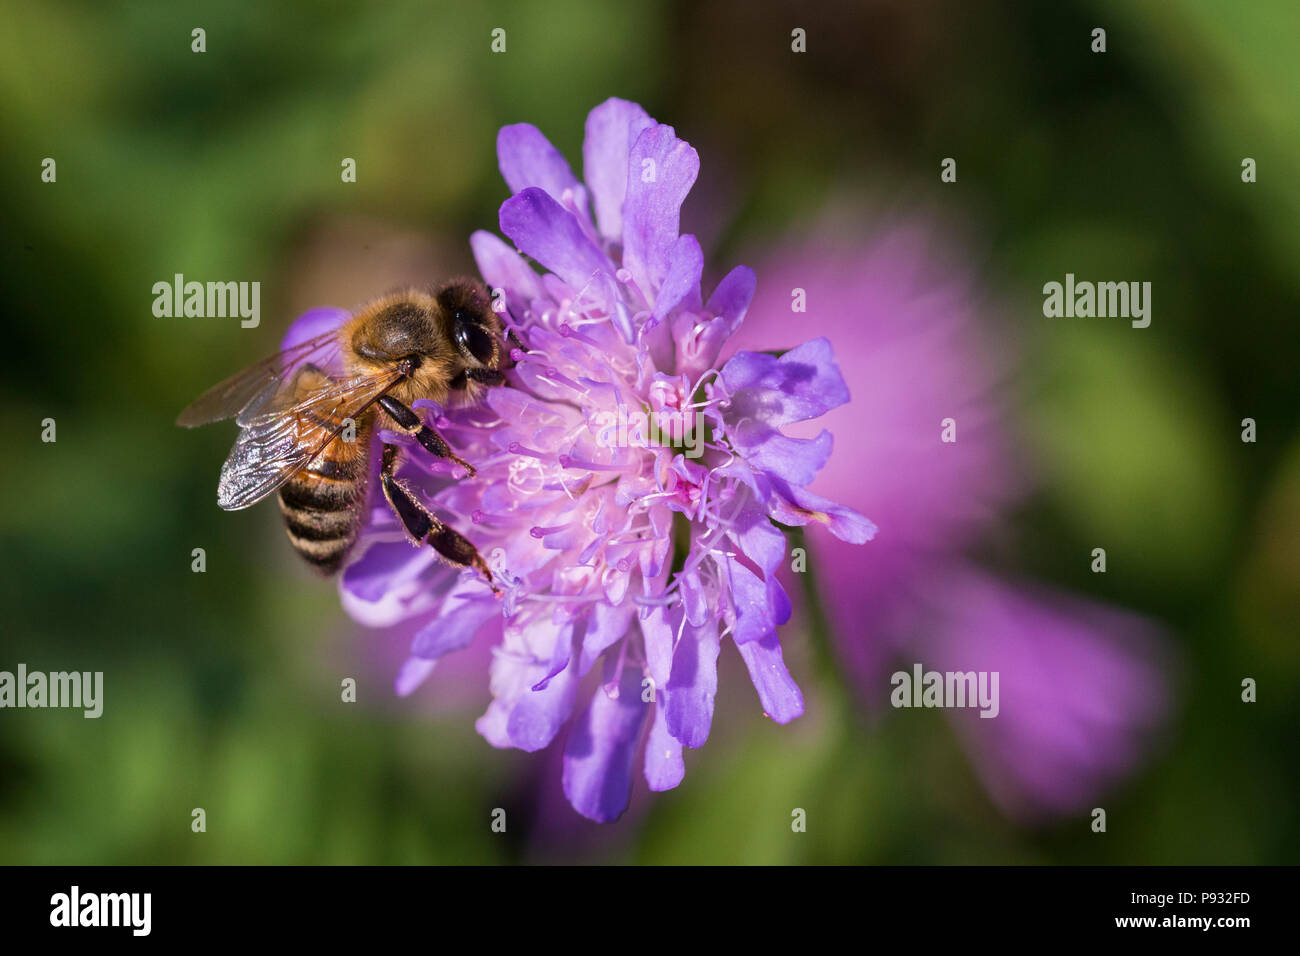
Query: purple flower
1082, 685
627, 481
1081, 688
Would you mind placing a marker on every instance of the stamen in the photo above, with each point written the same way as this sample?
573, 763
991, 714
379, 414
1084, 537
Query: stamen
553, 374
537, 531
569, 332
568, 461
667, 600
517, 449
590, 550
561, 598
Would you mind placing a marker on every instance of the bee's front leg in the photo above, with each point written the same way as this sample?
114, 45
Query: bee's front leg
410, 422
482, 376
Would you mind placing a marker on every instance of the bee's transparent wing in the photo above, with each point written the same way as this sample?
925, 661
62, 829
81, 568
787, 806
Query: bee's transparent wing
257, 386
276, 443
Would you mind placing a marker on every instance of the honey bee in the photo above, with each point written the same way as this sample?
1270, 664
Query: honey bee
294, 409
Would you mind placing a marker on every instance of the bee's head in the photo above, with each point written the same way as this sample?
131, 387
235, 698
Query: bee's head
475, 328
402, 327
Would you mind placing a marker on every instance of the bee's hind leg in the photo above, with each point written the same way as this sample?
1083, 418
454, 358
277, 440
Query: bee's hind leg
424, 526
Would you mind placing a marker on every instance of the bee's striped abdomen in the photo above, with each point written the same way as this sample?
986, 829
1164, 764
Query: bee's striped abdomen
322, 506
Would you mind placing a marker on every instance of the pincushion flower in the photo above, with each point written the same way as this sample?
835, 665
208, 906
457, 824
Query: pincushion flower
630, 487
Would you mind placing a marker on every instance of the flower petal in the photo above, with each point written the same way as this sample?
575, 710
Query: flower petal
782, 700
793, 460
757, 605
664, 768
606, 625
699, 343
312, 323
693, 685
598, 755
758, 538
612, 128
657, 637
414, 672
503, 268
730, 300
802, 384
661, 171
560, 655
527, 158
537, 716
390, 583
464, 611
548, 232
681, 285
798, 506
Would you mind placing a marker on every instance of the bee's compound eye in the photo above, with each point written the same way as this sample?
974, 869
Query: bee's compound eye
472, 339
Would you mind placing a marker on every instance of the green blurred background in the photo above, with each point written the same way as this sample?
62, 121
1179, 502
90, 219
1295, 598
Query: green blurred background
222, 688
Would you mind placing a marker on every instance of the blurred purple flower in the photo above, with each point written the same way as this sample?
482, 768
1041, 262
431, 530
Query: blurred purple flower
627, 482
1079, 688
1081, 684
